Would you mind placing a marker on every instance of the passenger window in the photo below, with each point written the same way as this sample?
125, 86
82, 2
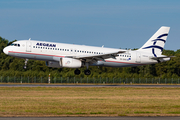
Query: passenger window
18, 45
67, 49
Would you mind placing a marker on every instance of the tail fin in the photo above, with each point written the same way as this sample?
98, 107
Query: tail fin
156, 43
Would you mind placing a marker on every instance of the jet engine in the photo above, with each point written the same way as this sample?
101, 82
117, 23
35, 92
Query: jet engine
65, 62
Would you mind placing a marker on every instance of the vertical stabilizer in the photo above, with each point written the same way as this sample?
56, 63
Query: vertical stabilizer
156, 43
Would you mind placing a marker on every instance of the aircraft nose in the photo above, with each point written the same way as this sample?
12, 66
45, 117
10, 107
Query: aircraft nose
5, 50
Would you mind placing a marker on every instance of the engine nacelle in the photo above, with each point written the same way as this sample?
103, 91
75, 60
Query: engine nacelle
70, 63
65, 62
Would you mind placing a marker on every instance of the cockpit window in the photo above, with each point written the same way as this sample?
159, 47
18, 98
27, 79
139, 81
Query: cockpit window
15, 44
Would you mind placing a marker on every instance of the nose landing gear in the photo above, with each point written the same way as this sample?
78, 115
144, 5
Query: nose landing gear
25, 66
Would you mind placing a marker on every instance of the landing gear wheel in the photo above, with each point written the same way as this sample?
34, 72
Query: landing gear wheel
87, 72
77, 72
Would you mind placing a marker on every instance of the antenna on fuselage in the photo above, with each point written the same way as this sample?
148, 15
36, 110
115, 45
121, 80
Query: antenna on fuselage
102, 46
29, 39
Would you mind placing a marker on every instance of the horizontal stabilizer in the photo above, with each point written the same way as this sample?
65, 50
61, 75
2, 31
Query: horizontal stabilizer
157, 58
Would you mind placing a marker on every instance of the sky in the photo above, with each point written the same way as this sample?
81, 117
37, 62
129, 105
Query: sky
112, 23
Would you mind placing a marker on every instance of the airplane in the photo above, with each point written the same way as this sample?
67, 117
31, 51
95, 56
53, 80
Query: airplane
60, 55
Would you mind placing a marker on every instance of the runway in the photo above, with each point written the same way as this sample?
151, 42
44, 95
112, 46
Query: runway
91, 118
76, 85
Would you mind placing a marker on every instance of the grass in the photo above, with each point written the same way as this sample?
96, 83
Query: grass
92, 101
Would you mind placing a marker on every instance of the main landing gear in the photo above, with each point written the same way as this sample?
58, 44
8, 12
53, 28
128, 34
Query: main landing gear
86, 72
77, 72
25, 66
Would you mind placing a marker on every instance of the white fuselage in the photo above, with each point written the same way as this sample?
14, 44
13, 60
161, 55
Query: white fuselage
50, 51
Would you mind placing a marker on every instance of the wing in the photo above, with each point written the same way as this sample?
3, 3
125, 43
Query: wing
96, 57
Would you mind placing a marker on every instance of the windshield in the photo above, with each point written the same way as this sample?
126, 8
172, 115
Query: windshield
16, 44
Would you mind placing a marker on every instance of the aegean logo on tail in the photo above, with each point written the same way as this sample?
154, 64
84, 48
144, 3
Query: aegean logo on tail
154, 44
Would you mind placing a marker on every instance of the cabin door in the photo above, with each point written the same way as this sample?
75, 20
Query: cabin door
28, 46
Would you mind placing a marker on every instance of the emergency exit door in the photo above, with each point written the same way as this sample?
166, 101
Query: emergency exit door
138, 57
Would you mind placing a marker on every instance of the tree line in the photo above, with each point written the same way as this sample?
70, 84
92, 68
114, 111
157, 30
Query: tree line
11, 66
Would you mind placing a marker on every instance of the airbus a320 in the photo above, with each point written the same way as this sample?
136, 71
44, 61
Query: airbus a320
60, 55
